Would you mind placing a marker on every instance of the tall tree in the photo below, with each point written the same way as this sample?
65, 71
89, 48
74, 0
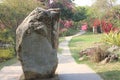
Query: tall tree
12, 12
67, 3
101, 7
65, 7
80, 13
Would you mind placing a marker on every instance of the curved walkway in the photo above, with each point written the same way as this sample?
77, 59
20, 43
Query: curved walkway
67, 68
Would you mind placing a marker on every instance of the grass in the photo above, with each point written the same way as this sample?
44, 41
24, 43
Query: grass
8, 63
108, 71
82, 42
6, 57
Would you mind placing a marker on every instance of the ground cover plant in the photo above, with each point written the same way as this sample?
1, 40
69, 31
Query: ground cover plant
109, 71
6, 54
8, 63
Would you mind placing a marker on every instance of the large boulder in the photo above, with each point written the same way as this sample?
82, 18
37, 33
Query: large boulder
37, 42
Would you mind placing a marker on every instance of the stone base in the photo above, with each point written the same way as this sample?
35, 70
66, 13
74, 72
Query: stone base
54, 78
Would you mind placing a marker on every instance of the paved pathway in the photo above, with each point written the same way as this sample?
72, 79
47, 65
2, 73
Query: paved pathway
12, 72
67, 68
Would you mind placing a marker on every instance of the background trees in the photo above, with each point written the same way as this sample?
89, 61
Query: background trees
80, 14
12, 12
104, 12
65, 6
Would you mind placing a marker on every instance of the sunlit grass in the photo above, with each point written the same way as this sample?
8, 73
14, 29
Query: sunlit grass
82, 42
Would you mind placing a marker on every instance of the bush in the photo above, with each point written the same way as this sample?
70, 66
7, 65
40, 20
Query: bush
68, 32
6, 54
5, 36
112, 38
70, 29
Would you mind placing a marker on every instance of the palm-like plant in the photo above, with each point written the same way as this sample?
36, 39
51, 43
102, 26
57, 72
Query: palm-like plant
112, 38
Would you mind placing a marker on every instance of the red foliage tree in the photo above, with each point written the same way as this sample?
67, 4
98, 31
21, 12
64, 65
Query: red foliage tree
106, 26
96, 22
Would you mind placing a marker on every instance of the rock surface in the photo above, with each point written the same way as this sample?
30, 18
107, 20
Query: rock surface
37, 42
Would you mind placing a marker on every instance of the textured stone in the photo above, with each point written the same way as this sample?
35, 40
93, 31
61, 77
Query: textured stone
37, 42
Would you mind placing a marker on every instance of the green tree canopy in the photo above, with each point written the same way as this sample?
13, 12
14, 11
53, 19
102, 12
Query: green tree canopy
65, 7
12, 13
80, 13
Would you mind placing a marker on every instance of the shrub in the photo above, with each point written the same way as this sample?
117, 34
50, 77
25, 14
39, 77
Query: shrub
68, 32
6, 54
112, 38
5, 36
68, 27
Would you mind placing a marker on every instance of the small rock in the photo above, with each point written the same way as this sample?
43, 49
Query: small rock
113, 48
106, 60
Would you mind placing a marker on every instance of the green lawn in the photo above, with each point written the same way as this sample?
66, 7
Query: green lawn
82, 42
8, 63
109, 71
7, 57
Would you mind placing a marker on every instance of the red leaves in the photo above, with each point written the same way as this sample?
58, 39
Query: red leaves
96, 22
68, 24
106, 26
